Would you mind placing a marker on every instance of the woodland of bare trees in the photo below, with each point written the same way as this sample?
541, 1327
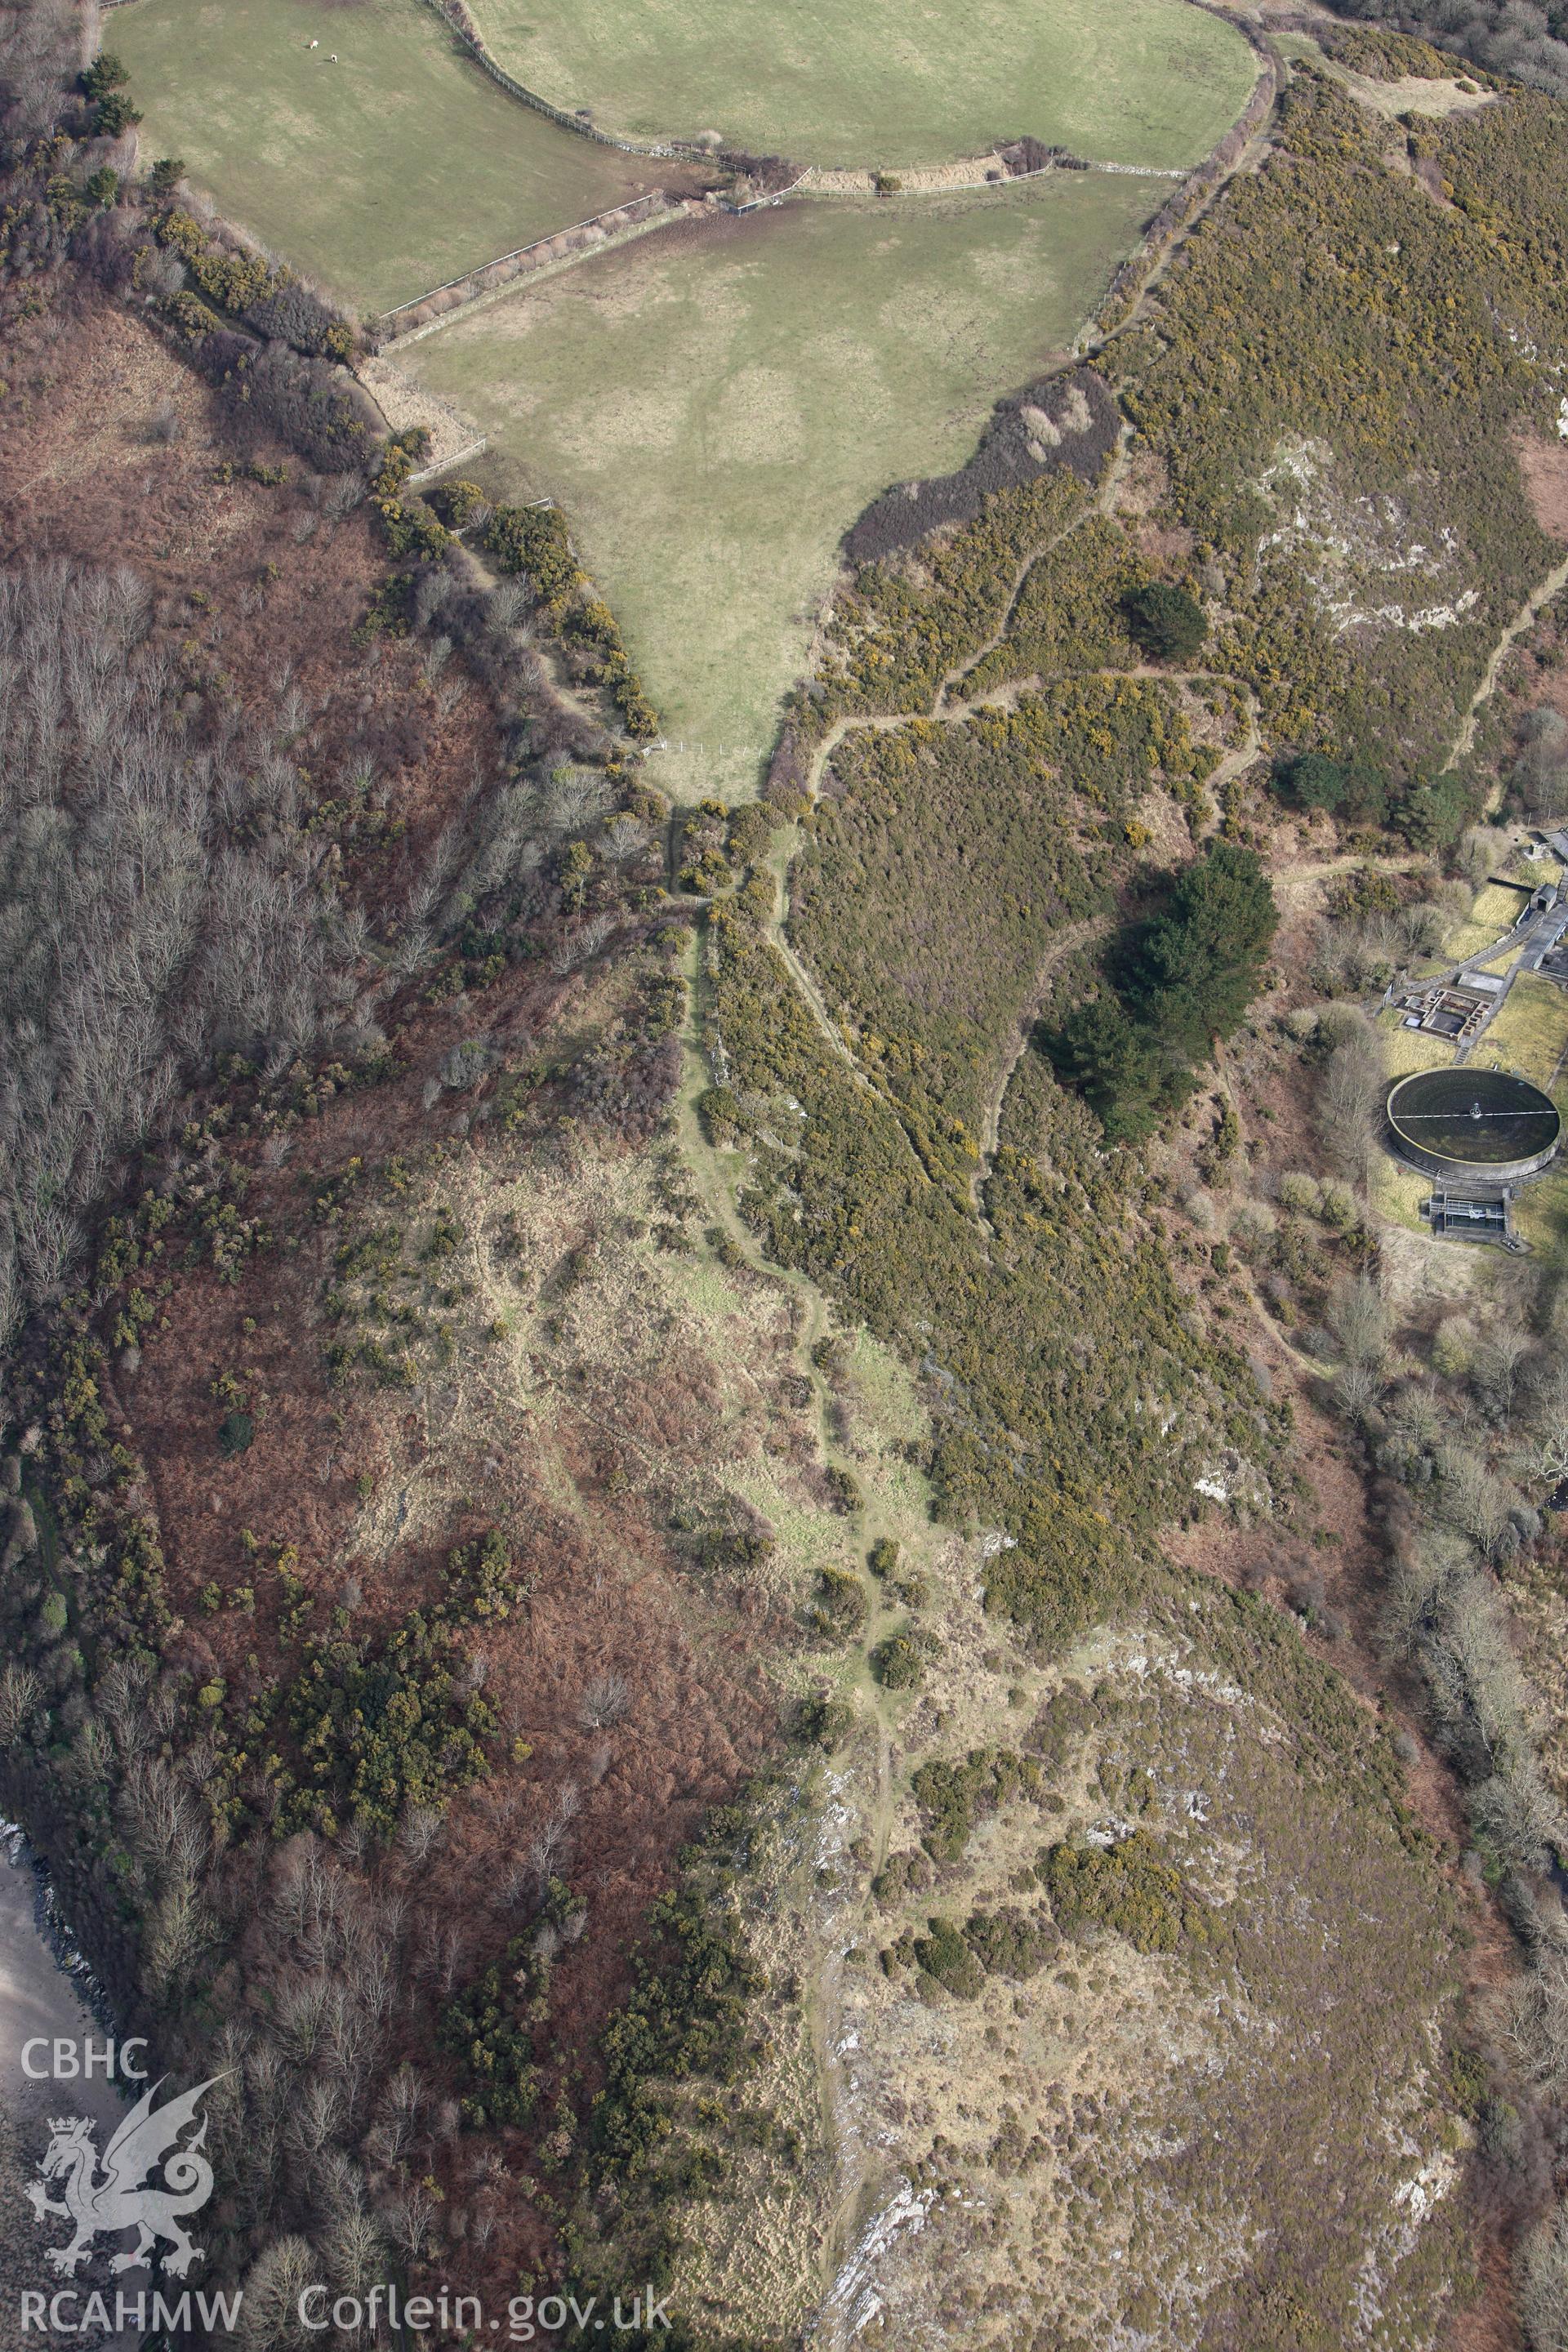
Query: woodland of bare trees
1540, 779
41, 52
158, 903
1457, 1459
1515, 38
297, 1973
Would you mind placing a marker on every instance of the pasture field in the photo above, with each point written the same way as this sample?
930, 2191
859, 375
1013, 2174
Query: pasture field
1404, 1050
1494, 913
1530, 1031
400, 167
714, 405
886, 82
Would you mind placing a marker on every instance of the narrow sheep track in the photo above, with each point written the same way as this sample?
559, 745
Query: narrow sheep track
1066, 944
1529, 612
1234, 763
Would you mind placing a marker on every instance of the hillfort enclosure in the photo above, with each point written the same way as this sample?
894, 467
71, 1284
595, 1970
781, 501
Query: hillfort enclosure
783, 873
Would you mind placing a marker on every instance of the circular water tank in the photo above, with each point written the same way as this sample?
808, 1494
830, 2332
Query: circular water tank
1472, 1126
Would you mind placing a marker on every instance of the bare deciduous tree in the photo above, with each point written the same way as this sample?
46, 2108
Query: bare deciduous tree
1544, 2284
606, 1701
269, 2316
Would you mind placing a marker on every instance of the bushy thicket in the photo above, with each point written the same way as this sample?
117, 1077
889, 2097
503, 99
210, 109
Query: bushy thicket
534, 543
899, 630
964, 850
1071, 612
1068, 423
1176, 984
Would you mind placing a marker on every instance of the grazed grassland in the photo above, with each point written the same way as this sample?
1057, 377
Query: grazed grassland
382, 175
1530, 1031
714, 407
877, 81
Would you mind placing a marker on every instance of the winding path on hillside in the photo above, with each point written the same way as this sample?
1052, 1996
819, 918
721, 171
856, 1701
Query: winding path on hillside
1529, 612
1233, 763
1066, 944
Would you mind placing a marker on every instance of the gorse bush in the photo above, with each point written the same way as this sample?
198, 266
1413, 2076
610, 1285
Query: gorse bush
534, 541
1130, 1888
1392, 348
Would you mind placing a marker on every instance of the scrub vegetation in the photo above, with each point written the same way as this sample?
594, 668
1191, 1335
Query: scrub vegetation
1366, 519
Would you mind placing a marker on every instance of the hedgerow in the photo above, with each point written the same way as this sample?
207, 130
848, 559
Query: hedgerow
534, 542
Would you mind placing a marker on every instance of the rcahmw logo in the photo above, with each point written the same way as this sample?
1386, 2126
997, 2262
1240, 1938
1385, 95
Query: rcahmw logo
146, 2181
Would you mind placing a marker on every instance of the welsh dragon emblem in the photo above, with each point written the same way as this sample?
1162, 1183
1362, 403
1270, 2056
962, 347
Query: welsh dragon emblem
102, 2201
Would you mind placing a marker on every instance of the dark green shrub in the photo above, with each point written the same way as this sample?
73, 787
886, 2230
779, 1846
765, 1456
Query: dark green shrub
899, 1663
823, 1720
841, 1606
944, 1955
235, 1433
114, 115
843, 1488
687, 2017
1433, 812
1008, 1945
1313, 781
1182, 980
1168, 622
954, 1797
723, 1122
107, 72
486, 2028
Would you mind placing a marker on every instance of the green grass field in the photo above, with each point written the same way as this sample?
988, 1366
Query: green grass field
400, 167
1493, 912
1530, 1032
1404, 1050
714, 405
887, 81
